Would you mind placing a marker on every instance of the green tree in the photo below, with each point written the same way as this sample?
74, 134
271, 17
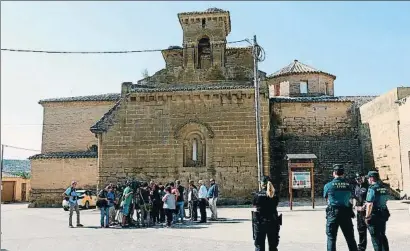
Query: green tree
24, 175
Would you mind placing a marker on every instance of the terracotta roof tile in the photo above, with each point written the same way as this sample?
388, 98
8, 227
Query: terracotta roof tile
65, 155
297, 67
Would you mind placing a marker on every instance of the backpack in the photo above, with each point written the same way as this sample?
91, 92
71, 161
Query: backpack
102, 202
67, 196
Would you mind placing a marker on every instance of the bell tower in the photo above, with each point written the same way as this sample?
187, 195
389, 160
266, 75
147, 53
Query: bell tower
204, 41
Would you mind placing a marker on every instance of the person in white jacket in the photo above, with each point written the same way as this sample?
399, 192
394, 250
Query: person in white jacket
202, 196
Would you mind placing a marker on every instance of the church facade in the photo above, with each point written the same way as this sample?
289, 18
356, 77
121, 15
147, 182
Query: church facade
195, 119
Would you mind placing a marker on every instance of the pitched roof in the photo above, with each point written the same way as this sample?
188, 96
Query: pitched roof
65, 155
191, 87
209, 10
100, 97
300, 156
297, 67
9, 175
107, 119
358, 100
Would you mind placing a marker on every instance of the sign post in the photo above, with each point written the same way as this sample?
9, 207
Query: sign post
301, 174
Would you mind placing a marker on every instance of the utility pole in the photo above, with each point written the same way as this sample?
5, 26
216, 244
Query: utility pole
1, 180
256, 53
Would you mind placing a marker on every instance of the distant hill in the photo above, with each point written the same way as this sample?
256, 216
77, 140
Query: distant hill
16, 166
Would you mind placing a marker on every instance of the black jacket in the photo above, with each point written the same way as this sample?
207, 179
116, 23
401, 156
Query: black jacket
360, 192
267, 207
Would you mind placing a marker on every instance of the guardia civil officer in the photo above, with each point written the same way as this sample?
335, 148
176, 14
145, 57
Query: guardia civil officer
338, 193
266, 221
377, 213
360, 193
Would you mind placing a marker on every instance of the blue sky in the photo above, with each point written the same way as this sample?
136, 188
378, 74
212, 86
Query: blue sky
365, 44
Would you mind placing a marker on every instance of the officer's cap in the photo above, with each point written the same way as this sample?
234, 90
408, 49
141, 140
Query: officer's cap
374, 174
359, 175
338, 167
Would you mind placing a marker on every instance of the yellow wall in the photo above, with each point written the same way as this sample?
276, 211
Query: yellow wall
17, 187
58, 173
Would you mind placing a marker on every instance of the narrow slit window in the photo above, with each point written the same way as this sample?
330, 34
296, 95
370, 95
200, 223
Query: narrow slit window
303, 87
203, 22
194, 150
326, 88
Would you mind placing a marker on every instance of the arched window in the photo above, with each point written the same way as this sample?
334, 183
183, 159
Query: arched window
194, 150
204, 53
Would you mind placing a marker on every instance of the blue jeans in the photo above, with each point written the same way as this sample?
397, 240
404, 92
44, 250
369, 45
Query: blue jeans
105, 213
180, 210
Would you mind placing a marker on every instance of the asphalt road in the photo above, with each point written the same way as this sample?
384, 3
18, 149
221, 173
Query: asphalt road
303, 229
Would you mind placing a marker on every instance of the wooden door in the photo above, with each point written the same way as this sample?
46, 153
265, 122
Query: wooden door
7, 193
23, 192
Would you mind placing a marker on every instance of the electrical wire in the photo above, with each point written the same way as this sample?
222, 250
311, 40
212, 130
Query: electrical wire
41, 124
105, 52
259, 53
21, 148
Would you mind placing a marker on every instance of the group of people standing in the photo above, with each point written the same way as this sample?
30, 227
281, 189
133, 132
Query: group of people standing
167, 204
370, 198
371, 206
173, 201
151, 203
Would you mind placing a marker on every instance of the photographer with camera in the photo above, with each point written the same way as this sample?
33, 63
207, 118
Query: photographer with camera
71, 196
104, 202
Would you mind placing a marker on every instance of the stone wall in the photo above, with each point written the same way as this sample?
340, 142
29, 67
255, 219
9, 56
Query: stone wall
381, 117
327, 129
318, 85
238, 65
66, 125
150, 130
404, 129
50, 177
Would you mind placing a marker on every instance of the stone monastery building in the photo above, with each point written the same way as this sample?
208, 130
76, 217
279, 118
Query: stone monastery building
195, 119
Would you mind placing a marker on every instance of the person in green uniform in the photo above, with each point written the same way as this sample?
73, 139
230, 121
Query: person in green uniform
377, 213
338, 193
127, 199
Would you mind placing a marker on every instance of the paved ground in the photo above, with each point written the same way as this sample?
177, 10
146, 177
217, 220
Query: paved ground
46, 230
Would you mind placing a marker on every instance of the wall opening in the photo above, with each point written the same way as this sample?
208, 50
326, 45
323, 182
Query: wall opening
303, 87
204, 53
194, 150
326, 88
277, 90
203, 22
